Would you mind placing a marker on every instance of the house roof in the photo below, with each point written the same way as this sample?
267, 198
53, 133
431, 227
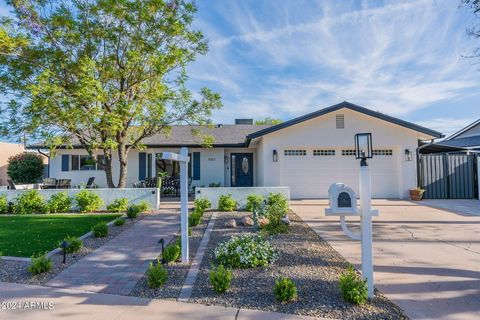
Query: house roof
464, 143
336, 107
470, 126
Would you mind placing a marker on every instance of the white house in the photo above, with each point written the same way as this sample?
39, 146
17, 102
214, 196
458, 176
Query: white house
308, 154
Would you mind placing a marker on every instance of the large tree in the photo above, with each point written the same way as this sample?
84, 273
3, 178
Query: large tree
102, 73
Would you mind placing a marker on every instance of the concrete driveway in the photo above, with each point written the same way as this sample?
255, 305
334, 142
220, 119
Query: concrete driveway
426, 259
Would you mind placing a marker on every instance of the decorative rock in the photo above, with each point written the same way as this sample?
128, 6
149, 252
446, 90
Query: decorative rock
231, 223
247, 221
286, 220
263, 221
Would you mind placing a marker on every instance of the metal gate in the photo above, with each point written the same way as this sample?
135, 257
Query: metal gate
448, 176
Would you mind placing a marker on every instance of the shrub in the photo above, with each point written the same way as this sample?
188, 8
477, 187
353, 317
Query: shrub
172, 252
118, 205
119, 222
202, 204
220, 278
277, 207
40, 264
133, 211
279, 202
194, 218
100, 230
275, 228
285, 290
3, 204
74, 244
227, 203
253, 201
59, 202
29, 202
353, 288
25, 167
88, 201
143, 206
156, 275
245, 251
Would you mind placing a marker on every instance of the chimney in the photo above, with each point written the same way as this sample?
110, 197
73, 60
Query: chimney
243, 121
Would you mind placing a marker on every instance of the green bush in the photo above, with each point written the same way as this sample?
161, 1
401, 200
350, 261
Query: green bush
143, 206
220, 278
285, 290
25, 168
133, 211
40, 264
227, 203
74, 244
353, 288
253, 201
29, 202
59, 202
88, 201
245, 251
119, 222
278, 201
277, 208
100, 230
194, 218
118, 205
172, 252
202, 204
3, 204
156, 275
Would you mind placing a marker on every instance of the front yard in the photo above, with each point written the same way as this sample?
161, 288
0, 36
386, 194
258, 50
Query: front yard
25, 235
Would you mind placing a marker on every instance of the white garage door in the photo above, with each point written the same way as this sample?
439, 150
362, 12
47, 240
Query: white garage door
310, 172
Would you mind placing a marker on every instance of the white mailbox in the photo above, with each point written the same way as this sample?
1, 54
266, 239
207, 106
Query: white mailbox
343, 201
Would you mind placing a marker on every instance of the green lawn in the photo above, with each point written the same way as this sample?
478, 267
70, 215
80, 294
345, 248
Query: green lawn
23, 236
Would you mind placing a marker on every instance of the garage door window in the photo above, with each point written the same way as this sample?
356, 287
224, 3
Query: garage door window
295, 152
348, 152
323, 152
383, 152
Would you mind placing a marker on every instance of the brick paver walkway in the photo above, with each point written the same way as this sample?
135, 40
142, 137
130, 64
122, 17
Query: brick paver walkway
118, 265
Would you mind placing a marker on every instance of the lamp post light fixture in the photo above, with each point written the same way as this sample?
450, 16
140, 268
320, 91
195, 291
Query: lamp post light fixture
363, 147
64, 246
275, 155
408, 155
162, 242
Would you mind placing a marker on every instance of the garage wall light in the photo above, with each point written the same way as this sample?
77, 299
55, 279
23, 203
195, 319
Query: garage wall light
275, 156
408, 155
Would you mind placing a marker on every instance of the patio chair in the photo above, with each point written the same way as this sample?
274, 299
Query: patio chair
90, 183
63, 183
49, 183
11, 185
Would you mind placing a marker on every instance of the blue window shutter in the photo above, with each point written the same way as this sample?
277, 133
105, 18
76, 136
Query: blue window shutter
65, 162
142, 165
196, 166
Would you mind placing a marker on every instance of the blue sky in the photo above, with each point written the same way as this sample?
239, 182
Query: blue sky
285, 58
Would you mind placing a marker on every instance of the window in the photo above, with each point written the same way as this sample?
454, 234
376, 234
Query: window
348, 152
340, 121
295, 152
383, 152
324, 152
86, 162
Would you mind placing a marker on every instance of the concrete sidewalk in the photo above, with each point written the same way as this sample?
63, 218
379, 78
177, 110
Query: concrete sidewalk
74, 304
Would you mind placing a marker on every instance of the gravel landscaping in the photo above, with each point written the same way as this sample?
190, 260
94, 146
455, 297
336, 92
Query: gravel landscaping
177, 272
16, 271
304, 257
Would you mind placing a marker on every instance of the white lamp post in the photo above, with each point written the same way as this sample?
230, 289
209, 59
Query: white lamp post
183, 159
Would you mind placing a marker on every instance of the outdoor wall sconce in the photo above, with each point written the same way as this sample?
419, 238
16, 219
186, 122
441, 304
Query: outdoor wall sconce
408, 155
363, 147
275, 156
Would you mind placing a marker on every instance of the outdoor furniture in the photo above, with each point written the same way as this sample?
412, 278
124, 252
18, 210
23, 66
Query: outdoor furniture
49, 183
150, 182
63, 183
170, 185
11, 185
90, 183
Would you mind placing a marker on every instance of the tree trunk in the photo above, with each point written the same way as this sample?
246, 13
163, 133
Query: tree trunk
122, 159
108, 168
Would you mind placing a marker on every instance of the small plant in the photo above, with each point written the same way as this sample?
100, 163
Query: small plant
118, 205
202, 204
279, 201
59, 202
133, 211
100, 230
253, 201
88, 201
285, 290
227, 203
214, 184
194, 218
74, 244
277, 207
353, 288
143, 206
171, 252
220, 278
3, 204
119, 222
29, 202
156, 275
40, 264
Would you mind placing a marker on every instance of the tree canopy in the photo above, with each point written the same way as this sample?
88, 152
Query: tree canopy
268, 120
102, 73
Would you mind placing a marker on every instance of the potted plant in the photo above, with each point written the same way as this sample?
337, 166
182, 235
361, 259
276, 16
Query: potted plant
160, 176
416, 194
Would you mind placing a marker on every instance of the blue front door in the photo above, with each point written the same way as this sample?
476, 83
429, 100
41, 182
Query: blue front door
242, 170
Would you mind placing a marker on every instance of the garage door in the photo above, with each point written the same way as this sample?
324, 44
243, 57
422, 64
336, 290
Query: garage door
310, 172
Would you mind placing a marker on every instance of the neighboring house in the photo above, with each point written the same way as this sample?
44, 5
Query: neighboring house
465, 140
308, 154
7, 150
